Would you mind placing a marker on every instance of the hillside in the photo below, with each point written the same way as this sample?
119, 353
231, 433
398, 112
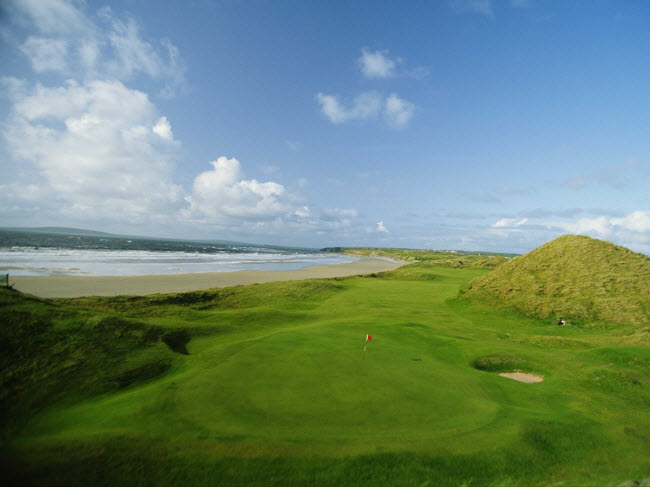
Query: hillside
436, 258
57, 231
581, 279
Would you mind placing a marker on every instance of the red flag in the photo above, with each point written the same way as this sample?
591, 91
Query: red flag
368, 338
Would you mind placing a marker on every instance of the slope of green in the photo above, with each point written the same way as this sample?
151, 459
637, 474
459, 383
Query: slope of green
268, 385
582, 279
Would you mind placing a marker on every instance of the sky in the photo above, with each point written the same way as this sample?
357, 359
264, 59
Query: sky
491, 125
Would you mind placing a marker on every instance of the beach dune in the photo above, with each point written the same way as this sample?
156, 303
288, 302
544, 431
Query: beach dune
76, 286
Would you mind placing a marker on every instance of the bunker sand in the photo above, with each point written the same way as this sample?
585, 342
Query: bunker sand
523, 377
77, 286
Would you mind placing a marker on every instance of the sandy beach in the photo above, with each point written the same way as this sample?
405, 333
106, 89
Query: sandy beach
76, 286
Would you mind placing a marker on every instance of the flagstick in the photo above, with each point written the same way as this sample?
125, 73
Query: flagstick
364, 352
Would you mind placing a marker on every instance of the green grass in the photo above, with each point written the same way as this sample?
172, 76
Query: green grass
437, 258
585, 280
267, 385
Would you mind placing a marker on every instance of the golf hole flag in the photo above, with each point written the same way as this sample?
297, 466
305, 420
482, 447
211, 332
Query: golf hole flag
368, 338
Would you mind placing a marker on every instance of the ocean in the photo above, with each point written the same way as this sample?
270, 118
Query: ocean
53, 254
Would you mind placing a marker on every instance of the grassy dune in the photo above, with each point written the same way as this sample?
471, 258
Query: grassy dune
437, 258
585, 280
267, 385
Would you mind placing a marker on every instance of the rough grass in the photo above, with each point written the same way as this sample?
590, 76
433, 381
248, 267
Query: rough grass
502, 363
584, 280
274, 389
287, 294
437, 258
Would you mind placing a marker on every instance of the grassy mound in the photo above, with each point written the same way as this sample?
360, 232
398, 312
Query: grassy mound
582, 279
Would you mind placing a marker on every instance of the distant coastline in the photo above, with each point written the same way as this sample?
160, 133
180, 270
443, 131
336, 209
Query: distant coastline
29, 253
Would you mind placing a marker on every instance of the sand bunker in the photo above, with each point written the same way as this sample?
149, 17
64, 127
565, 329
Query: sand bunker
522, 377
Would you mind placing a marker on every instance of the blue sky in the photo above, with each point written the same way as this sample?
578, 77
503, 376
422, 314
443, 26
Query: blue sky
463, 124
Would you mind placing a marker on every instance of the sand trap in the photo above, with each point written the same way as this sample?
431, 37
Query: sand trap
522, 377
75, 286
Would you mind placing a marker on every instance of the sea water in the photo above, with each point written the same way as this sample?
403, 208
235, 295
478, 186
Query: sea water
48, 254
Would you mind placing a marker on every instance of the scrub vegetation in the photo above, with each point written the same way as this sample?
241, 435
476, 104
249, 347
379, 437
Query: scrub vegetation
267, 385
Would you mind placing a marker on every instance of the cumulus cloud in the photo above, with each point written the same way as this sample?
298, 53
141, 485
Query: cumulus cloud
638, 221
365, 106
163, 128
99, 147
221, 194
397, 111
376, 64
381, 228
631, 230
604, 226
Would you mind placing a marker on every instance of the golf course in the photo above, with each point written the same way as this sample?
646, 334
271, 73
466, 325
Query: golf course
269, 385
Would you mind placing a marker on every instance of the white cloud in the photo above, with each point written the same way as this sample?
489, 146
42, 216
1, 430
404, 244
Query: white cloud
376, 64
95, 150
302, 212
221, 194
381, 228
134, 55
509, 222
365, 106
481, 7
398, 111
638, 221
632, 230
72, 44
46, 54
504, 222
163, 128
49, 16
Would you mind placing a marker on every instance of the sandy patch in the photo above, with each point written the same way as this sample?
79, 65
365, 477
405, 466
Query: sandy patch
76, 286
522, 377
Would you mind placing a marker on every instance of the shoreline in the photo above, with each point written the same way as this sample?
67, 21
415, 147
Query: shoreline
78, 286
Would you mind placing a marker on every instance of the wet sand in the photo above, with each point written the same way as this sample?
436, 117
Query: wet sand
76, 286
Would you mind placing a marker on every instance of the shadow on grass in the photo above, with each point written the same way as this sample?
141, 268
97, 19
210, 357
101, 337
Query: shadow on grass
177, 341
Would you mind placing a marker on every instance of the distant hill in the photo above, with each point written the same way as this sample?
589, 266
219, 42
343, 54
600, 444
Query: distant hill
434, 258
578, 278
56, 230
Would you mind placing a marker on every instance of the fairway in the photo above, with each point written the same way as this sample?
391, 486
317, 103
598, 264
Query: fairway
275, 390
